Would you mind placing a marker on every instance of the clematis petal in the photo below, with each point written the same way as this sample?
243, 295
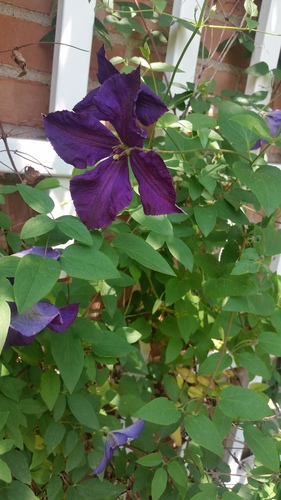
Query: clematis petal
79, 139
155, 183
15, 338
33, 320
116, 101
130, 432
42, 251
106, 68
65, 317
100, 194
149, 106
87, 104
108, 454
273, 120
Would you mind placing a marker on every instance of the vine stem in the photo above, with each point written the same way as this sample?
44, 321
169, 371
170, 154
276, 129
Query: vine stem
39, 43
222, 353
5, 140
150, 37
199, 25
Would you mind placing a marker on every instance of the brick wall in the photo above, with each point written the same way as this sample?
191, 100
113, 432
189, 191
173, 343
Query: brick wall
23, 99
22, 22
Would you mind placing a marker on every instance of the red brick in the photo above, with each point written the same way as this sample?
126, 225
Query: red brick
22, 102
17, 32
224, 79
43, 6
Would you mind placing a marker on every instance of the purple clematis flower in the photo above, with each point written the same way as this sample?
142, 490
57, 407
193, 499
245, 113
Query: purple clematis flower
273, 121
118, 438
25, 326
80, 139
41, 251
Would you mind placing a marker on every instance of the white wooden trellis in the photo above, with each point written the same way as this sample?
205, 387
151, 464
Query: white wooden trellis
268, 50
178, 38
69, 83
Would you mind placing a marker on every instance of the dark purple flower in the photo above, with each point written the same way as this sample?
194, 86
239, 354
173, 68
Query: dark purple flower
25, 326
118, 438
149, 106
273, 121
41, 251
81, 140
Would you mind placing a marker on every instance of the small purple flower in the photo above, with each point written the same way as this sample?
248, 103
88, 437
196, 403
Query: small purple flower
25, 326
80, 139
118, 438
273, 121
41, 251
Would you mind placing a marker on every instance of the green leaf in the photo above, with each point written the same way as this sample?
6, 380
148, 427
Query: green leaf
262, 304
109, 344
68, 354
204, 432
175, 290
181, 252
272, 240
54, 488
253, 364
48, 183
255, 124
179, 475
50, 388
251, 8
37, 200
209, 364
238, 136
36, 226
200, 121
95, 489
5, 319
83, 411
159, 411
173, 349
206, 217
140, 251
35, 277
8, 266
5, 221
158, 484
258, 69
53, 436
158, 223
263, 447
20, 490
229, 286
6, 445
240, 403
5, 473
75, 229
270, 342
166, 67
264, 182
87, 263
17, 462
151, 460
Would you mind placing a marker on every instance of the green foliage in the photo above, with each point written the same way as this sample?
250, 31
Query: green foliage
177, 312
